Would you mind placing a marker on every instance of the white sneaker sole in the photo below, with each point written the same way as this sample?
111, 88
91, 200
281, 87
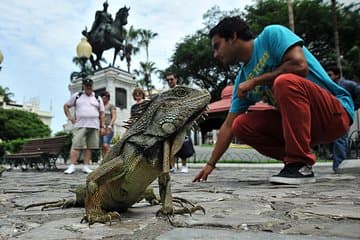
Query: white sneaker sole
291, 181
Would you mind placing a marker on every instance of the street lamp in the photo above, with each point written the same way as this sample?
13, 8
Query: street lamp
1, 58
83, 52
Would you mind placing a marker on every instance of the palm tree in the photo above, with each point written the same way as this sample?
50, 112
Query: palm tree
85, 68
131, 45
147, 68
336, 34
146, 36
291, 15
5, 92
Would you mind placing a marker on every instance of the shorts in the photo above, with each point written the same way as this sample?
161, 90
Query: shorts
106, 139
85, 138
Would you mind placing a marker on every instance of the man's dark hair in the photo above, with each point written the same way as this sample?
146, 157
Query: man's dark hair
105, 93
230, 25
170, 73
335, 69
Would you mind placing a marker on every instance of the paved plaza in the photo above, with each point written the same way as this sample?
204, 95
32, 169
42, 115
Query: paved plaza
239, 203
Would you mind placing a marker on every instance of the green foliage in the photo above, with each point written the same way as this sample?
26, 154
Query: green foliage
193, 63
115, 139
11, 146
16, 124
6, 94
314, 23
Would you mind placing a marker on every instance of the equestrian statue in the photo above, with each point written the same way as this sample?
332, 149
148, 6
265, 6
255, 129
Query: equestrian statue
106, 33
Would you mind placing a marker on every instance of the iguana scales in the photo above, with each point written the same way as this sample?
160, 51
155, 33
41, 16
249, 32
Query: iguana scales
141, 156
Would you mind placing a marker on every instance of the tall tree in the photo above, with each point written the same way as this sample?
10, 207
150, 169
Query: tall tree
145, 37
193, 62
83, 70
291, 15
336, 34
131, 45
145, 72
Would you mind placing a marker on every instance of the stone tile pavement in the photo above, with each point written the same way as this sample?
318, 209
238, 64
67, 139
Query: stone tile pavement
239, 203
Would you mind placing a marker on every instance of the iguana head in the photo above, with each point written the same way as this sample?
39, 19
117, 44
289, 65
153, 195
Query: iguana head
175, 110
165, 117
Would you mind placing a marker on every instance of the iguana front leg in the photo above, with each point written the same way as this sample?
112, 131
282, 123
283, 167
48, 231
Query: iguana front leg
108, 171
165, 191
168, 200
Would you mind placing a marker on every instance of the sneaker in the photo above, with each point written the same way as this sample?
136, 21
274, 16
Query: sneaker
294, 174
86, 169
70, 169
172, 170
184, 169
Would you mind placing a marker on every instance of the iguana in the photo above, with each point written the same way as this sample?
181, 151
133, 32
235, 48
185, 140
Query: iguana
141, 156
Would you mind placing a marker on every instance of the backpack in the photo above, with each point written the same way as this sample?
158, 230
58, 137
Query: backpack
79, 95
187, 149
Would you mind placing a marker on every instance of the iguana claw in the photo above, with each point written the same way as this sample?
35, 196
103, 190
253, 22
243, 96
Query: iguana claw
103, 218
185, 209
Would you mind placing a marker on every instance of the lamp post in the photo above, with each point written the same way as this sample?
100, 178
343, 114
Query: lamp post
1, 58
83, 52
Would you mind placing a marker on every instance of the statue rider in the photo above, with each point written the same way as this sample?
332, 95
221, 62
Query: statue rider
102, 22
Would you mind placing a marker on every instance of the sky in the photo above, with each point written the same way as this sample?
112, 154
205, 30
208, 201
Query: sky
38, 39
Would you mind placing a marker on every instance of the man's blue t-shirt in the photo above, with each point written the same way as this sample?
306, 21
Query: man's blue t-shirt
268, 51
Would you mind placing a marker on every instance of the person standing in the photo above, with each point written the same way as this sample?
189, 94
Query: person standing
110, 118
339, 146
172, 82
88, 117
139, 97
277, 68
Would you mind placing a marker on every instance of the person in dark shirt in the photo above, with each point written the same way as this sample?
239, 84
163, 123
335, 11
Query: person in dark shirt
339, 146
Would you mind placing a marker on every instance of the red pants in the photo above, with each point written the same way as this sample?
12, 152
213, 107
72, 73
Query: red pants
306, 115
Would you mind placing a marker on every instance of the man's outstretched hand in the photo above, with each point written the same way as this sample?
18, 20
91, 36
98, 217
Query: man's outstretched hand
203, 174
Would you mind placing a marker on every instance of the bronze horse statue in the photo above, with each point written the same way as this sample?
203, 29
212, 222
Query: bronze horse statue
108, 35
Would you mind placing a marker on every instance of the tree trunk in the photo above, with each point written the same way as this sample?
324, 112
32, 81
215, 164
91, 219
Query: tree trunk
336, 35
291, 15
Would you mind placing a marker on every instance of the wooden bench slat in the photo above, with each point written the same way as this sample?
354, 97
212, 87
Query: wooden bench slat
45, 151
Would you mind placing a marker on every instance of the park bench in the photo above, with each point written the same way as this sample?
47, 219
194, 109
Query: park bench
39, 153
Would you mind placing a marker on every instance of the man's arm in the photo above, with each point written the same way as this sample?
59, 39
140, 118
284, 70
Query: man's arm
224, 140
225, 136
68, 114
113, 117
294, 61
102, 123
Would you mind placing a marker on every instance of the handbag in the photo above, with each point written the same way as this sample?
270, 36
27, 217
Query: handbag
187, 149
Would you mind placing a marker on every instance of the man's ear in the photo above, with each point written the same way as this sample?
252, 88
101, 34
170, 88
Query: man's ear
234, 37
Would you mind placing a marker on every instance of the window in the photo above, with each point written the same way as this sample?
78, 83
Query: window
99, 91
120, 100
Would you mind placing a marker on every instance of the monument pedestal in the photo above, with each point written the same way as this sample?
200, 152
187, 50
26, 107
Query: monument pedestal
119, 84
